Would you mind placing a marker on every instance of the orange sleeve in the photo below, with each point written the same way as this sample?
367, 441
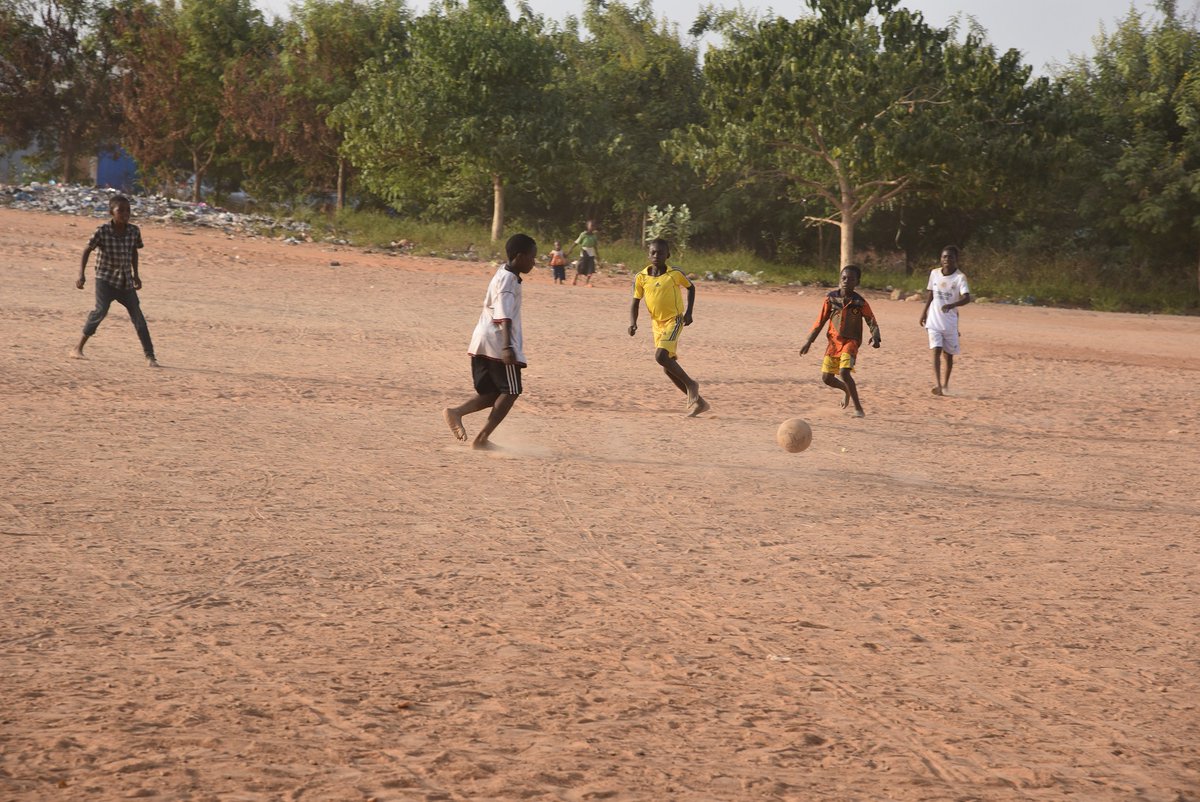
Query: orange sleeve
823, 314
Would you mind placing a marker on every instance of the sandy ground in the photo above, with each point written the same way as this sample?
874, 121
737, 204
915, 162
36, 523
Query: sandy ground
266, 571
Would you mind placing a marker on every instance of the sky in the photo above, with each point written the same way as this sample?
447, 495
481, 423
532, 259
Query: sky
1047, 32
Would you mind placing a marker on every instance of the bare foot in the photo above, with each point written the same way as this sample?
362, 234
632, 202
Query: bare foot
845, 400
937, 391
858, 413
700, 406
454, 421
77, 353
152, 362
484, 445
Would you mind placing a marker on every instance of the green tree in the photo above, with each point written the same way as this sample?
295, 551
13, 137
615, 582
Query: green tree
470, 102
284, 98
174, 59
852, 107
632, 83
55, 79
1137, 136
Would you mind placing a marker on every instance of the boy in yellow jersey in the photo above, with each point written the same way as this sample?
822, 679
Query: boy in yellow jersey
660, 286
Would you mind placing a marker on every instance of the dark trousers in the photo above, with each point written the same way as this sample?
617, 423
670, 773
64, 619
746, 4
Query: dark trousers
105, 295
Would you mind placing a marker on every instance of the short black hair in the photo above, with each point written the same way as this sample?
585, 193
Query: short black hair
952, 248
659, 241
518, 244
857, 270
115, 201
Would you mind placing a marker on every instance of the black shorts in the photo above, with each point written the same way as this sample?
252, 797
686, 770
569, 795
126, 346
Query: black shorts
587, 265
493, 376
560, 272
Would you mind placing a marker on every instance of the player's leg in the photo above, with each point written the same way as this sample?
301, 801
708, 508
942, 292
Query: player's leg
845, 365
486, 393
936, 346
508, 379
829, 370
104, 299
500, 409
663, 358
666, 343
679, 377
949, 351
454, 415
129, 300
852, 391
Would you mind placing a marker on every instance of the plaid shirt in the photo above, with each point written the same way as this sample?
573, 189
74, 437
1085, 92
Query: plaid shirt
117, 252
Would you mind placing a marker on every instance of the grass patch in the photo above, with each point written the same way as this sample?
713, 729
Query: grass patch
996, 276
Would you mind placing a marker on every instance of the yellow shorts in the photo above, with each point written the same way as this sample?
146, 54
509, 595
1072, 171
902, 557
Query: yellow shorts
836, 364
666, 334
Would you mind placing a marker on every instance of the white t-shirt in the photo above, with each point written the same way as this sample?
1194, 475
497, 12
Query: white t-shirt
946, 290
502, 302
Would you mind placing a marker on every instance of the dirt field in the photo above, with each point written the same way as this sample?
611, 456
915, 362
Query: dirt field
266, 571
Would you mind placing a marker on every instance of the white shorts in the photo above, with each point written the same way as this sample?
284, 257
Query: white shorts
946, 340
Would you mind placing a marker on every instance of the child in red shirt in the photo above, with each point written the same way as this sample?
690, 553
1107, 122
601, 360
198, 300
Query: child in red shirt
845, 310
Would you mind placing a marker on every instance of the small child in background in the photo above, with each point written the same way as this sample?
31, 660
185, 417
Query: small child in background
558, 263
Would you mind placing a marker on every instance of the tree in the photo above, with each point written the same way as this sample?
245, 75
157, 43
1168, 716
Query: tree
632, 84
173, 63
470, 102
285, 98
55, 79
852, 107
1137, 107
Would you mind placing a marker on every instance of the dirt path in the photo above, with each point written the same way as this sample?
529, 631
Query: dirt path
267, 571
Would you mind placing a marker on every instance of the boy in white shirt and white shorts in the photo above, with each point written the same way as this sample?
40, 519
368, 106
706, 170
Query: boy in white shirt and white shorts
947, 290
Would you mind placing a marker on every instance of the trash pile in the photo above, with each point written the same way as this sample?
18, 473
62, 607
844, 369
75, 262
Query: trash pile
735, 277
84, 201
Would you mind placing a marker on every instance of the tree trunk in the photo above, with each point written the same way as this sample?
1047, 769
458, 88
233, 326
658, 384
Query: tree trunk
341, 185
197, 175
497, 207
848, 220
68, 157
847, 227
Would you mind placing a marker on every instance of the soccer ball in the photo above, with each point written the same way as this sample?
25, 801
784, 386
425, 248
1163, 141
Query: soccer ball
794, 435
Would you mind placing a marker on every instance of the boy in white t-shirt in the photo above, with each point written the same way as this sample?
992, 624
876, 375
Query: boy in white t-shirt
497, 348
947, 290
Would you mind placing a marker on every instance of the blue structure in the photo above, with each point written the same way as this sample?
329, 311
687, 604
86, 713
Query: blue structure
116, 169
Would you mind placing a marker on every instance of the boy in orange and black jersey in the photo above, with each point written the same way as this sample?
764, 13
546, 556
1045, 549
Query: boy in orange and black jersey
845, 310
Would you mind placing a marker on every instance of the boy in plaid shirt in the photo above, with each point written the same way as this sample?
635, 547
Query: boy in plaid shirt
116, 275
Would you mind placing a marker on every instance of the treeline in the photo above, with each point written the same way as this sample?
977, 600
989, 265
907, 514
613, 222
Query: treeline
856, 128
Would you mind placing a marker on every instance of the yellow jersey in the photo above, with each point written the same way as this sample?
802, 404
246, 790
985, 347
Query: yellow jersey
663, 294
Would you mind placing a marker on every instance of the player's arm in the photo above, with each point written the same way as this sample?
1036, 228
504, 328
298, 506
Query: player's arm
87, 252
925, 309
133, 264
687, 313
873, 324
812, 335
633, 315
963, 301
509, 354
